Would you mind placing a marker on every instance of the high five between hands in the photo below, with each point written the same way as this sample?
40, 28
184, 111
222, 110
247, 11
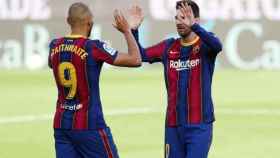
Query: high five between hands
136, 17
120, 22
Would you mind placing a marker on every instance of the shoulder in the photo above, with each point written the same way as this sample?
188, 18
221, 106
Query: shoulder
52, 43
96, 43
170, 40
212, 34
55, 41
102, 46
166, 43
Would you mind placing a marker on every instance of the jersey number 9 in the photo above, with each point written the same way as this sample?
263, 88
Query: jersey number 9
69, 81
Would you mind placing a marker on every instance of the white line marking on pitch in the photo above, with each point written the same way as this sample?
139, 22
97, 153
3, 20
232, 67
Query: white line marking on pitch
46, 117
119, 112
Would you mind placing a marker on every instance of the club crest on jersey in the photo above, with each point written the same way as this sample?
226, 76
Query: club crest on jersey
180, 65
109, 49
196, 49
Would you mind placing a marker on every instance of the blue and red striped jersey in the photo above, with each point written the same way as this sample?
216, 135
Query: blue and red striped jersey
188, 71
76, 63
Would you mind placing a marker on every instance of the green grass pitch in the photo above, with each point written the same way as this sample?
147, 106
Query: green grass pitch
247, 105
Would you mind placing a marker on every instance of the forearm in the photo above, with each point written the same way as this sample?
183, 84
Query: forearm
142, 50
212, 41
133, 49
151, 54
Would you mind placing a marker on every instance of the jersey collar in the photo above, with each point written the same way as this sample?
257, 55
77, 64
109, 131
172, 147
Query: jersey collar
190, 43
75, 36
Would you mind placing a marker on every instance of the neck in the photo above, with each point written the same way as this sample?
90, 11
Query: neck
79, 31
192, 36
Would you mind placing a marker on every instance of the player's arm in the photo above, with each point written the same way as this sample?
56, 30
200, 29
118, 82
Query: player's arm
150, 54
189, 21
132, 58
208, 38
49, 56
52, 45
49, 61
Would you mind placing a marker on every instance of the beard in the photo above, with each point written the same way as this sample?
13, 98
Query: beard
183, 31
184, 34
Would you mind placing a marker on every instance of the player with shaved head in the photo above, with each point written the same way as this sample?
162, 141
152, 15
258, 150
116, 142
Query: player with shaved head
79, 127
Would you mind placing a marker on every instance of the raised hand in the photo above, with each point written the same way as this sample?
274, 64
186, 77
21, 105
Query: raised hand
188, 16
135, 16
120, 22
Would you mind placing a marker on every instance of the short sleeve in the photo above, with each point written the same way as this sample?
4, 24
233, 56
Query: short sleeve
103, 52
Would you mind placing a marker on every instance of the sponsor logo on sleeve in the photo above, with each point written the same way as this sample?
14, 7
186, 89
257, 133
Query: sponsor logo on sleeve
109, 49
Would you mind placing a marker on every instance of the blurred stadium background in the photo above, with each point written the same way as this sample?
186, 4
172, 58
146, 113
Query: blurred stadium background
245, 87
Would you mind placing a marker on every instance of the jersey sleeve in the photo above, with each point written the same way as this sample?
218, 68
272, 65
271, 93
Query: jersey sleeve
51, 45
102, 52
208, 38
151, 54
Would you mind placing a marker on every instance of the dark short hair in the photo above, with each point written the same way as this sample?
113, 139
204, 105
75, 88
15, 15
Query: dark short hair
191, 3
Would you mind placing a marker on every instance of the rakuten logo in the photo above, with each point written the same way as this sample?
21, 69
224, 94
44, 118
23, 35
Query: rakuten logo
184, 65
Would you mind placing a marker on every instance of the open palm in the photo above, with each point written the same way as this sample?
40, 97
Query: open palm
188, 15
135, 16
120, 22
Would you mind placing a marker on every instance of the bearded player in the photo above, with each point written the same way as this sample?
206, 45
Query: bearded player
188, 63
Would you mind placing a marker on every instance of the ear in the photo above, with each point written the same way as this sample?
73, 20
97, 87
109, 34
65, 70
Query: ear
90, 23
197, 20
68, 21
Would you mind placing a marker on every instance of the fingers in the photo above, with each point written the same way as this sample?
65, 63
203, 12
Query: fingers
117, 16
180, 15
184, 9
134, 9
183, 20
135, 16
139, 13
191, 11
120, 21
138, 10
122, 18
115, 25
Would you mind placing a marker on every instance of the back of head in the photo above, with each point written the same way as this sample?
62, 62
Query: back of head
191, 3
78, 14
